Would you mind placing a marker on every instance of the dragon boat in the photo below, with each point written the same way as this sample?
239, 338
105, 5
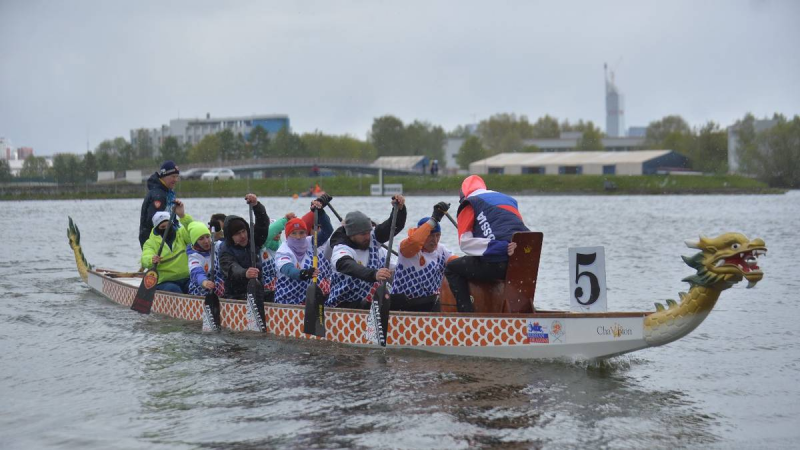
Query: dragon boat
505, 324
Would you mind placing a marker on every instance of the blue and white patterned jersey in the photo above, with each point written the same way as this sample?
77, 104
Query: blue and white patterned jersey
268, 268
420, 275
288, 290
345, 288
201, 261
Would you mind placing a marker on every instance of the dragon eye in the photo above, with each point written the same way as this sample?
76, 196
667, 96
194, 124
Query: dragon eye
735, 246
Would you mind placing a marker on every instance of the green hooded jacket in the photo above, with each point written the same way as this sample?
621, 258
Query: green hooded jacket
174, 264
274, 237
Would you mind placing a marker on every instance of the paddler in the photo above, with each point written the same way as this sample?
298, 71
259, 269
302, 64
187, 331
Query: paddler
358, 257
487, 221
420, 266
294, 259
173, 266
234, 254
199, 255
160, 195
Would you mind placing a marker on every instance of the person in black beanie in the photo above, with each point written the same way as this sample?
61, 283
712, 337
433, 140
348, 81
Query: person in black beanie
358, 258
234, 253
160, 195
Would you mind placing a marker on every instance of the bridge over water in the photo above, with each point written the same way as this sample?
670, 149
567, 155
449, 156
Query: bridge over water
246, 168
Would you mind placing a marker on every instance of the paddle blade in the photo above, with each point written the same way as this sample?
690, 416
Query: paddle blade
211, 313
255, 306
373, 333
143, 301
384, 304
314, 322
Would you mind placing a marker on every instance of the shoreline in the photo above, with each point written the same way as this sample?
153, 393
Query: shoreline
528, 185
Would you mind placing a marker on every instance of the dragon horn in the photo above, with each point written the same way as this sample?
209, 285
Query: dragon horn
692, 244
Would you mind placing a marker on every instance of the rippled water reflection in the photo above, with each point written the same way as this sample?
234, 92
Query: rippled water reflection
79, 371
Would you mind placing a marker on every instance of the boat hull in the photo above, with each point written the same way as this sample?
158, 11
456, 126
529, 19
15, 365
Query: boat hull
542, 335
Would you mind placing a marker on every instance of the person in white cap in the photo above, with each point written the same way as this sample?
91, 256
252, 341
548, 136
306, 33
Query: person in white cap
173, 265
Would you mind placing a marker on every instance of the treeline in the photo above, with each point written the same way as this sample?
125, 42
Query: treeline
508, 133
771, 153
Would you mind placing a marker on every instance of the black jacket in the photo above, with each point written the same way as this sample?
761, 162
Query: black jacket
234, 260
156, 194
349, 266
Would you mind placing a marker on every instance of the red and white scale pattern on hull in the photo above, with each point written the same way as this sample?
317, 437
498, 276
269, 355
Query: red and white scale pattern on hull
345, 327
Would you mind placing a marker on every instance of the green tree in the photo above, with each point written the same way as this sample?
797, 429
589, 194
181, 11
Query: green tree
105, 162
227, 145
471, 150
425, 139
287, 144
35, 167
259, 142
143, 146
5, 171
710, 149
546, 128
67, 169
779, 153
503, 133
658, 131
206, 151
591, 139
89, 167
461, 131
319, 145
747, 151
171, 151
126, 155
531, 149
388, 136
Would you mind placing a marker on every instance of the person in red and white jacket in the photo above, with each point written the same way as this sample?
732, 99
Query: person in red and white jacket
487, 221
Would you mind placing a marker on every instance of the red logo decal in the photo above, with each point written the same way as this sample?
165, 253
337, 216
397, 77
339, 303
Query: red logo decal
157, 203
150, 279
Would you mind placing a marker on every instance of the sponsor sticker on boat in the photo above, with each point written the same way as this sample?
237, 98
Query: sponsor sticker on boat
537, 334
557, 332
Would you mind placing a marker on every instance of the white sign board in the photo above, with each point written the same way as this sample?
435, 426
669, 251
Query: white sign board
388, 189
587, 279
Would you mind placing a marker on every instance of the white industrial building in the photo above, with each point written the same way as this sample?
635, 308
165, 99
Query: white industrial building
640, 162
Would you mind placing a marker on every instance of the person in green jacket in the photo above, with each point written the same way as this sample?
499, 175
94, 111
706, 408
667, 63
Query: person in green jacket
173, 265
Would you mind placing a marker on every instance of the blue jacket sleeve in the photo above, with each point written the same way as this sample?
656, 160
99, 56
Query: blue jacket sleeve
291, 271
327, 228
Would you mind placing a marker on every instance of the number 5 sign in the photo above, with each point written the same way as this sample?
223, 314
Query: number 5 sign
587, 280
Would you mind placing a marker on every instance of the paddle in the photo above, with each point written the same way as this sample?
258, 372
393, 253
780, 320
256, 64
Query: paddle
455, 224
211, 307
143, 301
339, 218
255, 291
314, 322
382, 293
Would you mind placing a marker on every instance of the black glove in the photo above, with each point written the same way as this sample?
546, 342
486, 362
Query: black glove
324, 199
438, 211
307, 274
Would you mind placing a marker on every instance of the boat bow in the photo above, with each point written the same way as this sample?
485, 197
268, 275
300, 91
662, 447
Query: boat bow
722, 262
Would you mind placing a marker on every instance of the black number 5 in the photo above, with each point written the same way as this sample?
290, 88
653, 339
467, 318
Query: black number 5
585, 260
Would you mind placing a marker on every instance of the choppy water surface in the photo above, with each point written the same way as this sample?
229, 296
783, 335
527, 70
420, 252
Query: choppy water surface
79, 371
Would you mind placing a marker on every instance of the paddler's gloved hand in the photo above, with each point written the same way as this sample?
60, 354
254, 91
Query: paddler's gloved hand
324, 199
438, 211
307, 274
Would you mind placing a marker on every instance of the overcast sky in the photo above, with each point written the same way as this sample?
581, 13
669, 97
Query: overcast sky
77, 70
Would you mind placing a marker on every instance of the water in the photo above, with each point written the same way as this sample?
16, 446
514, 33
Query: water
81, 372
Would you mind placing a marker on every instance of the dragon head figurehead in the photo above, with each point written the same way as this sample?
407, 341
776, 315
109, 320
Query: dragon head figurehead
725, 260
